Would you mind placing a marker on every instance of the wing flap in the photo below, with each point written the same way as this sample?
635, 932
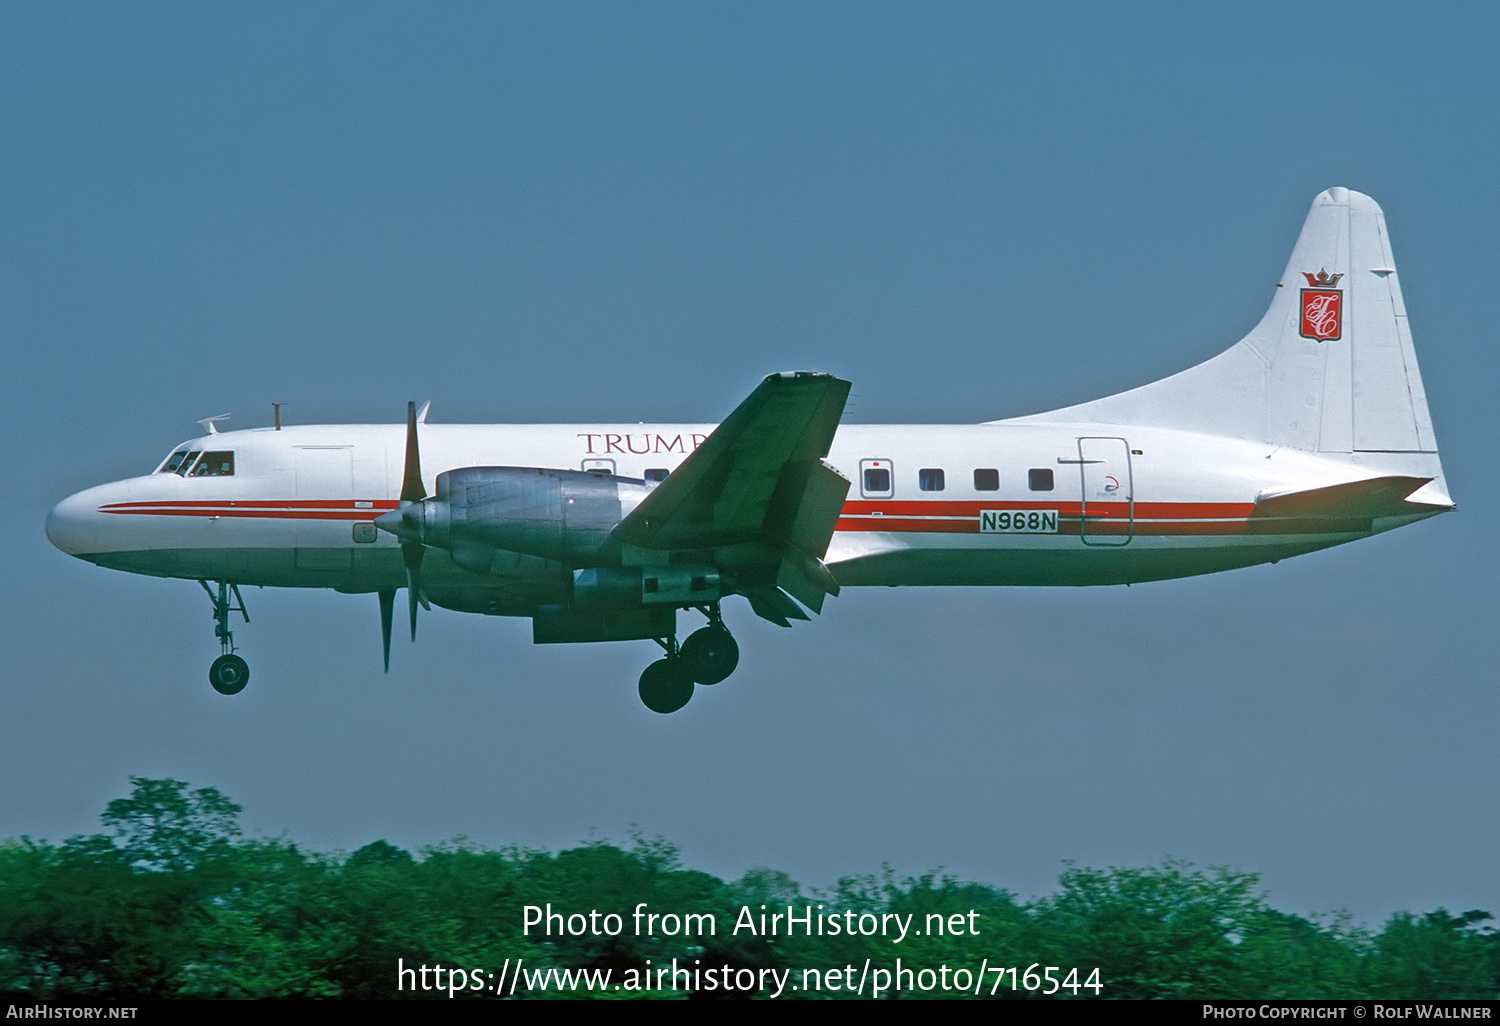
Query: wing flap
805, 510
771, 603
806, 579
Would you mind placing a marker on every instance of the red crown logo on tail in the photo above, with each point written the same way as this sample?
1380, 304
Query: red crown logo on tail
1322, 307
1322, 280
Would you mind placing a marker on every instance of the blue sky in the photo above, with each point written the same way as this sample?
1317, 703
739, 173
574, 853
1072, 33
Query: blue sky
633, 212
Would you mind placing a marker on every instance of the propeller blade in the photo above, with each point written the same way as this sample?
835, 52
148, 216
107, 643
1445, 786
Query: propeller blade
411, 552
411, 481
387, 611
412, 491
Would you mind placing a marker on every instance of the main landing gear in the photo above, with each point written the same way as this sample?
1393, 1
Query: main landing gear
707, 656
229, 674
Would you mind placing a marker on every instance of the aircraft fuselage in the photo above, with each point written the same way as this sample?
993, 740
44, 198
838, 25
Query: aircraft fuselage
990, 504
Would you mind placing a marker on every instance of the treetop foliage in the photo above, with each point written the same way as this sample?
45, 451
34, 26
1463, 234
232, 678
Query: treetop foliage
163, 826
173, 901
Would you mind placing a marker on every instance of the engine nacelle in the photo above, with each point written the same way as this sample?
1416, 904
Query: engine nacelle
566, 515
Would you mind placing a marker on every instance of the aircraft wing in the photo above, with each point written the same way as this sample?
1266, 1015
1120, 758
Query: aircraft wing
757, 494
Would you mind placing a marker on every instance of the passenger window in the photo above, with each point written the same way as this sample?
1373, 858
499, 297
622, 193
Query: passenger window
987, 480
174, 461
1040, 480
930, 480
657, 474
875, 477
215, 464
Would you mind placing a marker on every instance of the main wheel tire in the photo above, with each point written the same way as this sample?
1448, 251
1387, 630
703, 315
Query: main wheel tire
664, 687
229, 674
709, 655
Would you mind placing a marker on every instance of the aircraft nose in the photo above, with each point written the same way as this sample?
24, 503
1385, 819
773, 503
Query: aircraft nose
72, 526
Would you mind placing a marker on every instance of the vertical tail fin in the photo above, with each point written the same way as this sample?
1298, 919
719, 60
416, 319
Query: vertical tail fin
1330, 368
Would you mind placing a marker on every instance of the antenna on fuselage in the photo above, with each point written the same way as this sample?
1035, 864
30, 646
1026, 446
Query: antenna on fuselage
422, 413
277, 407
207, 423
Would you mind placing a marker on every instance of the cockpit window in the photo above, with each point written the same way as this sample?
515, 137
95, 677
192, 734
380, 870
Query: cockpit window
215, 464
174, 462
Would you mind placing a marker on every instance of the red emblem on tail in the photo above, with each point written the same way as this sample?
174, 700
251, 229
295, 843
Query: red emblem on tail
1322, 307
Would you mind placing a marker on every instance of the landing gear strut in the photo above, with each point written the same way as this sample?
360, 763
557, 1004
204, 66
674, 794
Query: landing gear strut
229, 674
708, 656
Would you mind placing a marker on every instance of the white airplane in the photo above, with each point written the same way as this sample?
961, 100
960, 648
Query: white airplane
1311, 431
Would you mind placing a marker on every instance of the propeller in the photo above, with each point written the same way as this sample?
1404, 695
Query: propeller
387, 611
412, 493
406, 523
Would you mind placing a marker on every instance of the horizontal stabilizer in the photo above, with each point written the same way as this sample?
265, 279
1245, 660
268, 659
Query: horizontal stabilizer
1360, 500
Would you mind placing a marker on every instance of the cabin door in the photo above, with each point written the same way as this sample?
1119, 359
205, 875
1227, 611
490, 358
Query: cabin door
1108, 491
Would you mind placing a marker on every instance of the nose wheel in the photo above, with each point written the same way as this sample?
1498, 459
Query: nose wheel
229, 673
708, 656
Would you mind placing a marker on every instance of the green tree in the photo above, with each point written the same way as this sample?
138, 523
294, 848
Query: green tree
944, 932
270, 930
1156, 932
1286, 957
456, 906
1437, 956
164, 826
172, 901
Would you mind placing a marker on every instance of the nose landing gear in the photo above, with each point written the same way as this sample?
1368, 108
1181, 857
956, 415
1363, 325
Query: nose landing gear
708, 656
229, 673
